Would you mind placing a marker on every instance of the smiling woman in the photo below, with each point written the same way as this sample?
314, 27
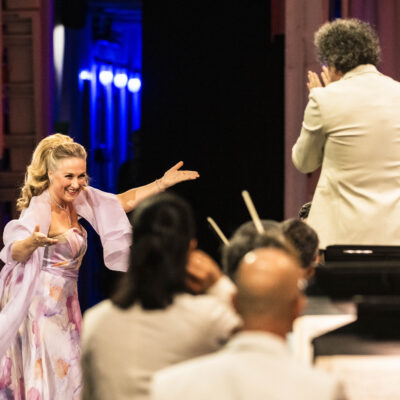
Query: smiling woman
67, 179
66, 182
40, 318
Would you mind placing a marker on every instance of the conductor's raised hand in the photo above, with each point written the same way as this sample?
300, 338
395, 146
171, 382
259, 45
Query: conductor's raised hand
39, 239
314, 81
175, 175
325, 75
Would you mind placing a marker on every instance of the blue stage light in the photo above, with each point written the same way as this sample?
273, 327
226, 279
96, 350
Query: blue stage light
134, 85
120, 80
85, 75
106, 77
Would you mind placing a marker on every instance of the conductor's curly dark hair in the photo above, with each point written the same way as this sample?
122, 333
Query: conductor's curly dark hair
347, 43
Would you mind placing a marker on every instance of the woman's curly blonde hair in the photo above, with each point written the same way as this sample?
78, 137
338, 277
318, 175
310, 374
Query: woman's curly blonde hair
48, 152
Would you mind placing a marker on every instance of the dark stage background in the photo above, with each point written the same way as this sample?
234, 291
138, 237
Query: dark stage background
213, 96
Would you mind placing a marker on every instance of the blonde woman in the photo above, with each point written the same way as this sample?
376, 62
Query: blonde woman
40, 317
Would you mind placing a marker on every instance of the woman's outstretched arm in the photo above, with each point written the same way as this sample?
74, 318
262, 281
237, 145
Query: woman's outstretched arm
174, 175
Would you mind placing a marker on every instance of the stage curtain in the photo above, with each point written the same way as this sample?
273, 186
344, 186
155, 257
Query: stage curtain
385, 17
302, 19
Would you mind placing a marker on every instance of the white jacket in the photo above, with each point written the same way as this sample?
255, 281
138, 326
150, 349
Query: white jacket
352, 128
253, 366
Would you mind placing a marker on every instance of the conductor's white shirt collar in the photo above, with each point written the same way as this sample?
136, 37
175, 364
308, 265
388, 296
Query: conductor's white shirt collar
361, 69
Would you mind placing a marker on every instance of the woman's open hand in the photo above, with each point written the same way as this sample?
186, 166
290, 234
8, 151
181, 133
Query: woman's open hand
21, 250
39, 239
174, 175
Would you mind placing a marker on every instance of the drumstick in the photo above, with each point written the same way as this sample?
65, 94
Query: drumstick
218, 231
252, 211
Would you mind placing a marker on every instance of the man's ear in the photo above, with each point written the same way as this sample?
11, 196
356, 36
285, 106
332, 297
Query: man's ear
335, 74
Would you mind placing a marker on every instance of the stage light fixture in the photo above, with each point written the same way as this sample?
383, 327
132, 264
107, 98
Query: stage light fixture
106, 77
134, 84
85, 75
120, 80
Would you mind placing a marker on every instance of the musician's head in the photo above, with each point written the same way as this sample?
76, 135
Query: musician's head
163, 231
247, 238
269, 296
344, 44
305, 240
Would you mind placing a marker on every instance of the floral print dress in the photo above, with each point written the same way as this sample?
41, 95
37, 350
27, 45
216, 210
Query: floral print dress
43, 363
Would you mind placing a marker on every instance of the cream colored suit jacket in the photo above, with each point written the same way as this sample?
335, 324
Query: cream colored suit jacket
252, 366
352, 128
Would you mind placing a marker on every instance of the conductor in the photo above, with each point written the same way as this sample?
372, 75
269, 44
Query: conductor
351, 128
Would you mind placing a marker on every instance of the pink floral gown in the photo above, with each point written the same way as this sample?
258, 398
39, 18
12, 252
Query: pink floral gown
43, 363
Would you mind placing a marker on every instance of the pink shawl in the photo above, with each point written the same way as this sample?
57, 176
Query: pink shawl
102, 210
